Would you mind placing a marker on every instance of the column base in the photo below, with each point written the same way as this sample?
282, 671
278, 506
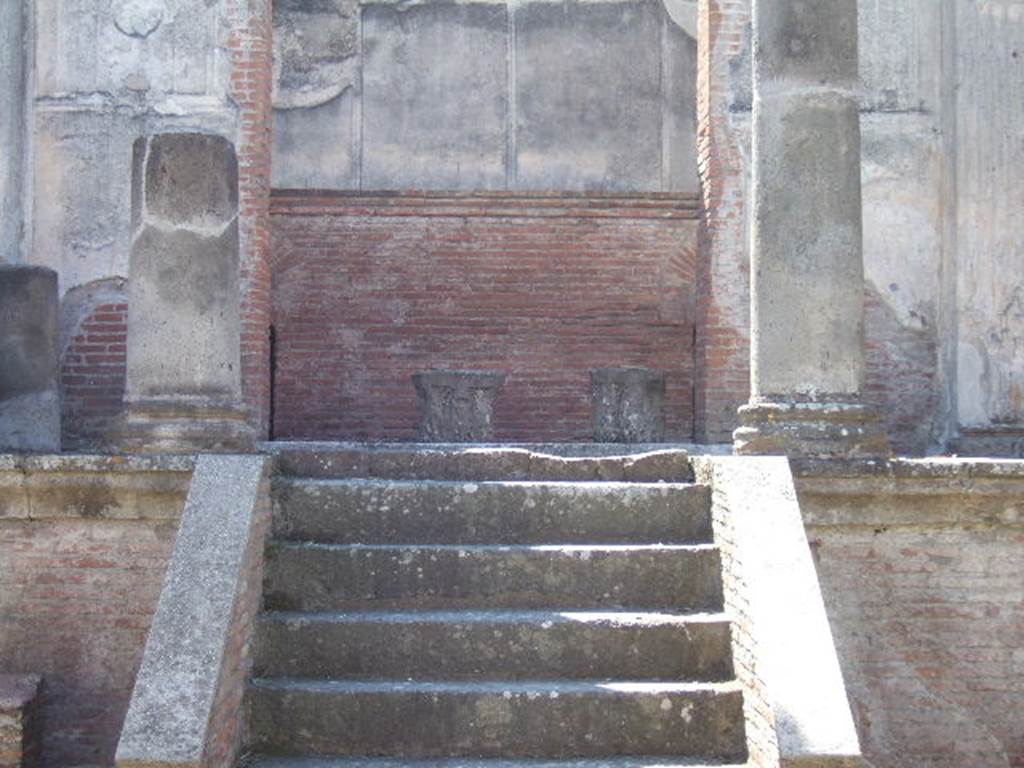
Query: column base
826, 430
185, 426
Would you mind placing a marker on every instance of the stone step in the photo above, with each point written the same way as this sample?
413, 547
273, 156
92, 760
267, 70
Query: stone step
428, 512
496, 719
340, 577
494, 645
263, 761
571, 462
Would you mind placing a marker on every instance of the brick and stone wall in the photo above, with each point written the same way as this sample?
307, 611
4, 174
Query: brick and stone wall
920, 566
371, 289
92, 374
84, 543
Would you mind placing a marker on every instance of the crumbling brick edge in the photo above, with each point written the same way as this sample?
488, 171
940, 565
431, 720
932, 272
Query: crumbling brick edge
186, 707
20, 720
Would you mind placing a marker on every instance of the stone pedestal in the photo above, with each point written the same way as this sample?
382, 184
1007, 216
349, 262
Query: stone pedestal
807, 273
29, 359
628, 405
183, 387
457, 406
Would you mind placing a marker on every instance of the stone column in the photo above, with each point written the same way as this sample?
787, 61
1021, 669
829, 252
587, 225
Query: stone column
807, 272
12, 128
183, 387
29, 359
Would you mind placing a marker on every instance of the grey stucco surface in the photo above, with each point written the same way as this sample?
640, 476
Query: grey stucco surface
13, 53
459, 95
177, 684
103, 74
434, 103
990, 230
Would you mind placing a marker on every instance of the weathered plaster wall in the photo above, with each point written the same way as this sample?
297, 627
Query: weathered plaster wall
920, 564
108, 71
13, 134
990, 226
902, 123
105, 73
908, 60
540, 95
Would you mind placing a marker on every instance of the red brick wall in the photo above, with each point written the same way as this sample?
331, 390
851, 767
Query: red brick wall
723, 326
92, 377
252, 51
76, 600
369, 290
929, 625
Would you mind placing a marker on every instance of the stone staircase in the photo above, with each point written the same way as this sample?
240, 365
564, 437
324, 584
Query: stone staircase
492, 607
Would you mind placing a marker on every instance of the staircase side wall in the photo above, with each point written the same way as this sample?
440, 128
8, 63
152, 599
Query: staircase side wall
186, 706
797, 712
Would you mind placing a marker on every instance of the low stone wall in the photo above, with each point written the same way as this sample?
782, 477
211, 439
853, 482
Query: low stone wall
84, 543
922, 568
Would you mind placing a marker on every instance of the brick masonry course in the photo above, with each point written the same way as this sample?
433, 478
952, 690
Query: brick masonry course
369, 290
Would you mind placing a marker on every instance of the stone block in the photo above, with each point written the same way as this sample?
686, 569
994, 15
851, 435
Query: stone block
434, 104
189, 180
183, 388
814, 430
313, 147
589, 116
457, 406
20, 721
29, 351
628, 405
